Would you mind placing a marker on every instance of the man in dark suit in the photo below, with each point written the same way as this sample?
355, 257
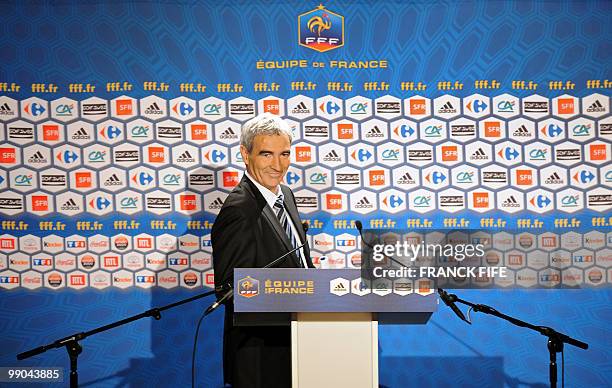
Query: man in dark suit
258, 223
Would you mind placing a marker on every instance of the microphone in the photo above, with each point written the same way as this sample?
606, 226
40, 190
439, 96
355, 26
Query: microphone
449, 300
305, 226
230, 292
359, 227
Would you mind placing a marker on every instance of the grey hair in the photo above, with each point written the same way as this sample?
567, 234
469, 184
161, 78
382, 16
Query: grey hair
263, 124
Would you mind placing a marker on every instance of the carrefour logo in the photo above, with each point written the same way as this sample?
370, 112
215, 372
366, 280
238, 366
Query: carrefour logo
321, 29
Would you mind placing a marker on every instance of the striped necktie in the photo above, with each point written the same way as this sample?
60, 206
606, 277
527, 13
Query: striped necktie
281, 214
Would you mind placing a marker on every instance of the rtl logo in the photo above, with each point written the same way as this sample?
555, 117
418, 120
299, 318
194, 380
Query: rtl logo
7, 243
144, 242
77, 280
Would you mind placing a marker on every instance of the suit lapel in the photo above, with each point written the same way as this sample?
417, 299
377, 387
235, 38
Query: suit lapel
271, 218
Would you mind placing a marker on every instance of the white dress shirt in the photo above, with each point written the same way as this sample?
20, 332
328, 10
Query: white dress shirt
270, 198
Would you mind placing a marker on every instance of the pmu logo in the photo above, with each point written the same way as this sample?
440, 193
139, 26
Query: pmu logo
321, 29
34, 109
477, 106
182, 108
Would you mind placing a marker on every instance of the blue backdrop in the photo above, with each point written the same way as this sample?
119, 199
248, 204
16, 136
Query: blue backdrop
209, 43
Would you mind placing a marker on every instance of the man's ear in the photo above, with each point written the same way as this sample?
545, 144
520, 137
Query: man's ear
245, 154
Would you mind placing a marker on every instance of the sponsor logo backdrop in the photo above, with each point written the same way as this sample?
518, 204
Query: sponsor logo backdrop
119, 187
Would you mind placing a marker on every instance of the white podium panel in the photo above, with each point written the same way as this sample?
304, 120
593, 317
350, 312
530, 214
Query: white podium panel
334, 350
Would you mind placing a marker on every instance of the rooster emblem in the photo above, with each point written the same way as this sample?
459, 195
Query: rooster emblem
319, 23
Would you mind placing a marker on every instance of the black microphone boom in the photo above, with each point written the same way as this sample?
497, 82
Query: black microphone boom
449, 300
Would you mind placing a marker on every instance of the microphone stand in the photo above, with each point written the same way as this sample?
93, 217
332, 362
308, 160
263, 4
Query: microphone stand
72, 341
555, 339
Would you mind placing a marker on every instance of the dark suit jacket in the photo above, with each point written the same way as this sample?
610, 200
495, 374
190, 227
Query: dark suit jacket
247, 234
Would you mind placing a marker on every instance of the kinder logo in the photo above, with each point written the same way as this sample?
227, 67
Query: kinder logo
333, 201
230, 178
271, 106
188, 201
321, 29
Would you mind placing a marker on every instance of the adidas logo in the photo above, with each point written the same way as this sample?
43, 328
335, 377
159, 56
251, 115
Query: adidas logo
447, 108
479, 155
374, 132
153, 109
5, 110
511, 202
81, 134
596, 107
363, 203
113, 180
185, 157
554, 179
216, 204
38, 157
301, 108
406, 179
70, 204
228, 134
521, 131
332, 156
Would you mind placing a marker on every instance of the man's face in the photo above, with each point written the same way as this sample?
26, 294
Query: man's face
269, 160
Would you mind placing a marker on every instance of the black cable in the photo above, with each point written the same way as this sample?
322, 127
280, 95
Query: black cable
195, 345
562, 367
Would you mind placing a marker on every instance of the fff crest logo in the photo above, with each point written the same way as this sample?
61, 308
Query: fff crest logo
321, 29
248, 287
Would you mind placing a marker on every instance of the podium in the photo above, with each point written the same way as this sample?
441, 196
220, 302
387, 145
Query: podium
334, 317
